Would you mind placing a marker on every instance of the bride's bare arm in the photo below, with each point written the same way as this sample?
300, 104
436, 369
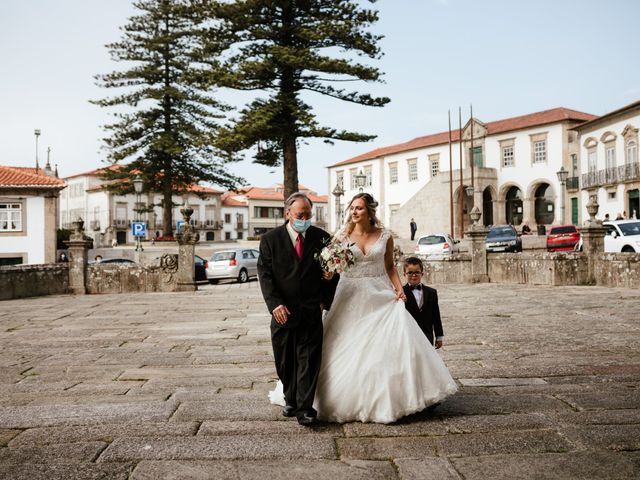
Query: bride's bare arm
390, 266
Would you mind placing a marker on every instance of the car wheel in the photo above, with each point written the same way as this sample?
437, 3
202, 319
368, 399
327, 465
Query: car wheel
628, 249
213, 281
243, 276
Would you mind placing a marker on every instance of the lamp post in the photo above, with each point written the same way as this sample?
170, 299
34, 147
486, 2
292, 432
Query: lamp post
337, 192
36, 132
137, 186
361, 179
562, 177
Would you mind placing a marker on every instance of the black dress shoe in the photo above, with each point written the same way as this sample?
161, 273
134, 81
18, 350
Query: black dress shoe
289, 411
307, 420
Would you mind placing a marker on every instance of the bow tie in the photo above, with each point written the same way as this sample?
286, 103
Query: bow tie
416, 287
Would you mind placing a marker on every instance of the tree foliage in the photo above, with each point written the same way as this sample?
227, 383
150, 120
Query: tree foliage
285, 48
168, 122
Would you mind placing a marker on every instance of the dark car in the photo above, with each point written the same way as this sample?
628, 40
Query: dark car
562, 238
503, 238
201, 269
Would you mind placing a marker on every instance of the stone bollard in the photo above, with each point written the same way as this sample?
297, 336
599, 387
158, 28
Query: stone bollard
78, 244
187, 239
592, 239
478, 235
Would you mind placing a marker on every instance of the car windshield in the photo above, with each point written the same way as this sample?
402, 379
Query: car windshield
561, 230
222, 256
431, 240
632, 228
501, 232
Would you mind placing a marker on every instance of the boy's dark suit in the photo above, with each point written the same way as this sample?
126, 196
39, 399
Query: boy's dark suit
296, 283
428, 317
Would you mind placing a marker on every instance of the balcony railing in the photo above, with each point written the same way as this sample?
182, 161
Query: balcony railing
573, 183
611, 176
120, 222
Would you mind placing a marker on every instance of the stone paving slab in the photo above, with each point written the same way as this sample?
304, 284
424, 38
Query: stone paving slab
222, 447
165, 385
550, 466
281, 470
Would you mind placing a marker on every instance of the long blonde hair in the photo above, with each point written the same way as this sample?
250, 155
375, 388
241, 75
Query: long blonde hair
371, 206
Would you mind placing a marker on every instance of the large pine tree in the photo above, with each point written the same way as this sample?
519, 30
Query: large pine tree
166, 125
285, 48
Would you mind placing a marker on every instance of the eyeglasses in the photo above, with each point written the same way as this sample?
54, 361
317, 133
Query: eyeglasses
413, 273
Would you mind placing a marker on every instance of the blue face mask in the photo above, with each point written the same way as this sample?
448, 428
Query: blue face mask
301, 226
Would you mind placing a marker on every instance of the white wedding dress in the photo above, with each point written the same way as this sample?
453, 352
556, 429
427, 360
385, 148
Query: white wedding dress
377, 365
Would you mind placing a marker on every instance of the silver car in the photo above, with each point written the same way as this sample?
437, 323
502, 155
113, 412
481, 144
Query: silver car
237, 263
437, 245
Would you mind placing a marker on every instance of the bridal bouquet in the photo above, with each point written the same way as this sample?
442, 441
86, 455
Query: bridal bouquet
336, 256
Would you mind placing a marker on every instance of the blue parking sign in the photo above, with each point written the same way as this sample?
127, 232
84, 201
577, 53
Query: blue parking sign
139, 229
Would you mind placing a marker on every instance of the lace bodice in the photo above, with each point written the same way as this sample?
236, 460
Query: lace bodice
371, 264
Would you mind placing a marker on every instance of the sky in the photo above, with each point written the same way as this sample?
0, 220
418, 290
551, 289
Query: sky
505, 57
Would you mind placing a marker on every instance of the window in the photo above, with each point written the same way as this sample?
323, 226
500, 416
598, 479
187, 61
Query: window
319, 214
477, 156
352, 175
434, 165
393, 172
413, 169
227, 235
632, 151
227, 218
268, 212
340, 179
610, 156
10, 217
540, 151
612, 195
574, 165
592, 159
240, 234
507, 156
368, 174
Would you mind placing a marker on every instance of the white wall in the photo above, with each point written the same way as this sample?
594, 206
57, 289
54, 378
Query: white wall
33, 242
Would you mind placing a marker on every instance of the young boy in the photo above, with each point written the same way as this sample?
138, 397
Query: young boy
422, 301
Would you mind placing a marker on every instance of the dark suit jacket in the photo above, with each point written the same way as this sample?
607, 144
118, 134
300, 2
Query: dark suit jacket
428, 317
296, 283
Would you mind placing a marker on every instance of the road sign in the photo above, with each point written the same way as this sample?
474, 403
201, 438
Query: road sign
139, 229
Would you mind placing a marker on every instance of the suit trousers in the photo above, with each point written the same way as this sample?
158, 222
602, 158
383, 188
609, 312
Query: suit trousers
298, 353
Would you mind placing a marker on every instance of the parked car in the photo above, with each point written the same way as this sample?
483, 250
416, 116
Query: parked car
113, 260
436, 245
562, 238
622, 236
503, 238
201, 268
237, 263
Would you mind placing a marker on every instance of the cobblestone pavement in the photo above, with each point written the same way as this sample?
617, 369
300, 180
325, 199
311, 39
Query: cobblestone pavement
173, 386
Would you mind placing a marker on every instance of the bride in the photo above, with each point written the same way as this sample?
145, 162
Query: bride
377, 364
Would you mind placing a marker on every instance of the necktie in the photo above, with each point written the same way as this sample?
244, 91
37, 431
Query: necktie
416, 287
299, 246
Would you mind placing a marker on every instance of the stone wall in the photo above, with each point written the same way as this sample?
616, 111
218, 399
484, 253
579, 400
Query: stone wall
561, 268
128, 278
34, 280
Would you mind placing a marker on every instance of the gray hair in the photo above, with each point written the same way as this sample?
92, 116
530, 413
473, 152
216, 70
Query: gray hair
296, 196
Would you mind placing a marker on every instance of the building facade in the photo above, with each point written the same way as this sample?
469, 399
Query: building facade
235, 214
609, 168
28, 212
265, 207
109, 216
508, 168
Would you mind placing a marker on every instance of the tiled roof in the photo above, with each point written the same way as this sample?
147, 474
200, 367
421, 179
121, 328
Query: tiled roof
94, 173
607, 116
257, 193
229, 201
23, 177
499, 126
192, 188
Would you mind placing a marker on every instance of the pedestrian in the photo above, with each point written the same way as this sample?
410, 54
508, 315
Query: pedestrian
114, 243
295, 292
98, 258
526, 230
606, 217
619, 216
624, 215
414, 228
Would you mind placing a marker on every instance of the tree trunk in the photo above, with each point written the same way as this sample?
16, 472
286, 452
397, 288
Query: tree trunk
290, 166
167, 212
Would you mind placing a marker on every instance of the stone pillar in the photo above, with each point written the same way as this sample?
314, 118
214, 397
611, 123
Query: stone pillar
187, 239
593, 239
78, 245
499, 214
528, 211
478, 235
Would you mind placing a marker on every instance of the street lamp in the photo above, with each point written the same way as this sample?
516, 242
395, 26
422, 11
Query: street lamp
562, 178
361, 179
338, 191
138, 183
